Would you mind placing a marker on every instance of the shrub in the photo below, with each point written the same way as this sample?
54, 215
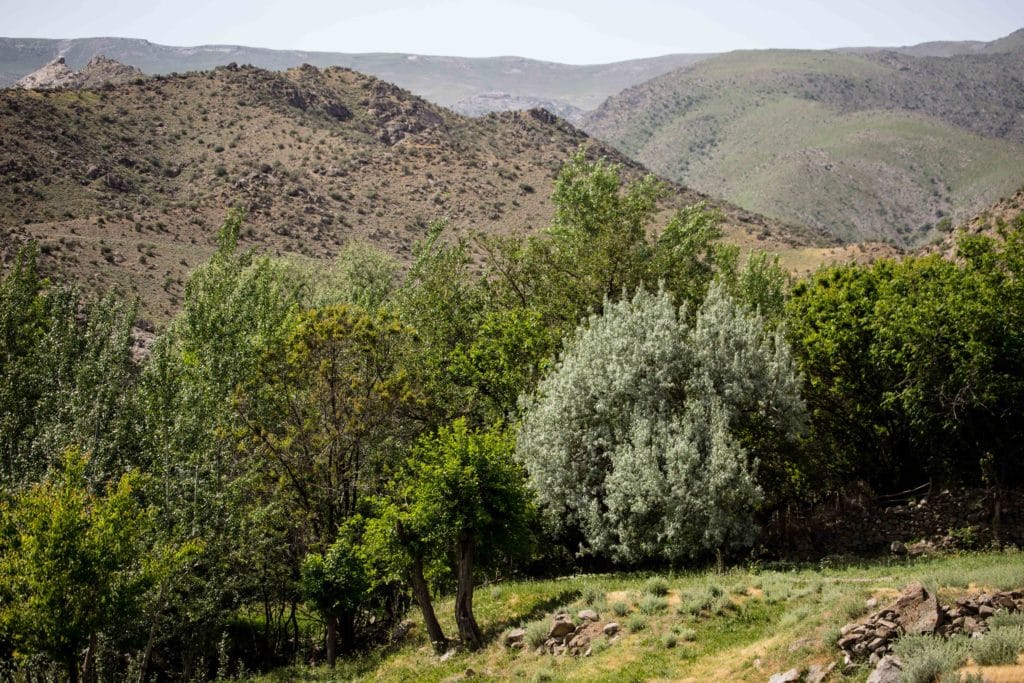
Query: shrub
651, 604
656, 586
620, 609
1004, 619
669, 640
536, 633
636, 622
926, 658
999, 646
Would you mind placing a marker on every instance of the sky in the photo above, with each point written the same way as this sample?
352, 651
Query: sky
570, 31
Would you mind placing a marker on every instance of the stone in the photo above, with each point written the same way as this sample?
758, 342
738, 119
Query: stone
889, 670
897, 548
610, 629
985, 611
514, 636
588, 615
871, 603
876, 644
561, 627
790, 676
817, 673
579, 642
448, 655
918, 610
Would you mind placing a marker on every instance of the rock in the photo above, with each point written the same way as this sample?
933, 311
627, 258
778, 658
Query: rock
448, 655
817, 673
579, 642
514, 636
918, 610
986, 611
611, 629
588, 615
871, 603
469, 673
876, 644
402, 630
790, 676
561, 627
889, 670
897, 548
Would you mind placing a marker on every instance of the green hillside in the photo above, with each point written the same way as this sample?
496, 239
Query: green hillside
880, 146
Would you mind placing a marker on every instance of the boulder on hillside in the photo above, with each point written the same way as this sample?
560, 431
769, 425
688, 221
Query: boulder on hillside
918, 610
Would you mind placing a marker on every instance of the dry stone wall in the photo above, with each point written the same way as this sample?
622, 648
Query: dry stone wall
860, 523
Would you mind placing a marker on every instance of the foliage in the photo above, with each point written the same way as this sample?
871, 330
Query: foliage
913, 367
65, 376
925, 658
646, 436
1001, 645
70, 562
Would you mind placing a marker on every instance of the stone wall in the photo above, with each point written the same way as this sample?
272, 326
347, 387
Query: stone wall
860, 523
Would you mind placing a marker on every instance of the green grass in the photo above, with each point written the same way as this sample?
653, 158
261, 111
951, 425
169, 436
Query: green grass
737, 635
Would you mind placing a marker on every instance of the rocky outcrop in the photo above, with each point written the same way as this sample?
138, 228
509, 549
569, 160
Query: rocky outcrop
398, 116
56, 74
917, 611
99, 72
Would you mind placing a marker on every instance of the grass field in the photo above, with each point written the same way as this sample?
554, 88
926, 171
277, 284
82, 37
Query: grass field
743, 625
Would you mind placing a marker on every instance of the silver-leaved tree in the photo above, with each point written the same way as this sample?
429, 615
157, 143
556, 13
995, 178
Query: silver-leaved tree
646, 438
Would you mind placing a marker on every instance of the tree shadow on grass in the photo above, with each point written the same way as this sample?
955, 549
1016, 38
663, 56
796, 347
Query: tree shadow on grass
540, 609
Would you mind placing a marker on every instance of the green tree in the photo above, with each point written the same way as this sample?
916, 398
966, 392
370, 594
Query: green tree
66, 376
71, 563
464, 493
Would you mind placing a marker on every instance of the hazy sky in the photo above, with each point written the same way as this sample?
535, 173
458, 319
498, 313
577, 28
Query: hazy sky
575, 31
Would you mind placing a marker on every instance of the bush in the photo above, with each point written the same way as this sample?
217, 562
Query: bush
999, 646
669, 640
656, 586
536, 633
1005, 619
651, 604
637, 622
620, 609
926, 658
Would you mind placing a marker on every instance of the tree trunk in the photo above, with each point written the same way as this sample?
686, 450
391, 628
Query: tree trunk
347, 631
469, 631
719, 561
422, 594
90, 654
72, 665
332, 637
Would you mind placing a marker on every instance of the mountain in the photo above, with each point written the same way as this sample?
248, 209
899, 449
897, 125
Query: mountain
443, 80
126, 185
866, 146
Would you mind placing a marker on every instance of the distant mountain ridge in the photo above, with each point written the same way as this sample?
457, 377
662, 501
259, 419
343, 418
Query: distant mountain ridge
440, 79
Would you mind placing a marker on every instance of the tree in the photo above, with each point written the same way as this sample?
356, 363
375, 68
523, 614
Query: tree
71, 563
66, 376
463, 493
335, 583
644, 439
323, 416
913, 367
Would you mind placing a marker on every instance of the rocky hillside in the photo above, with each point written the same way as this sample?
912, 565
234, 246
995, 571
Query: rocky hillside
868, 146
128, 184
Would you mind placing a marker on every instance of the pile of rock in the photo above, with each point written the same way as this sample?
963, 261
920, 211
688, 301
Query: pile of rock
916, 611
565, 637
